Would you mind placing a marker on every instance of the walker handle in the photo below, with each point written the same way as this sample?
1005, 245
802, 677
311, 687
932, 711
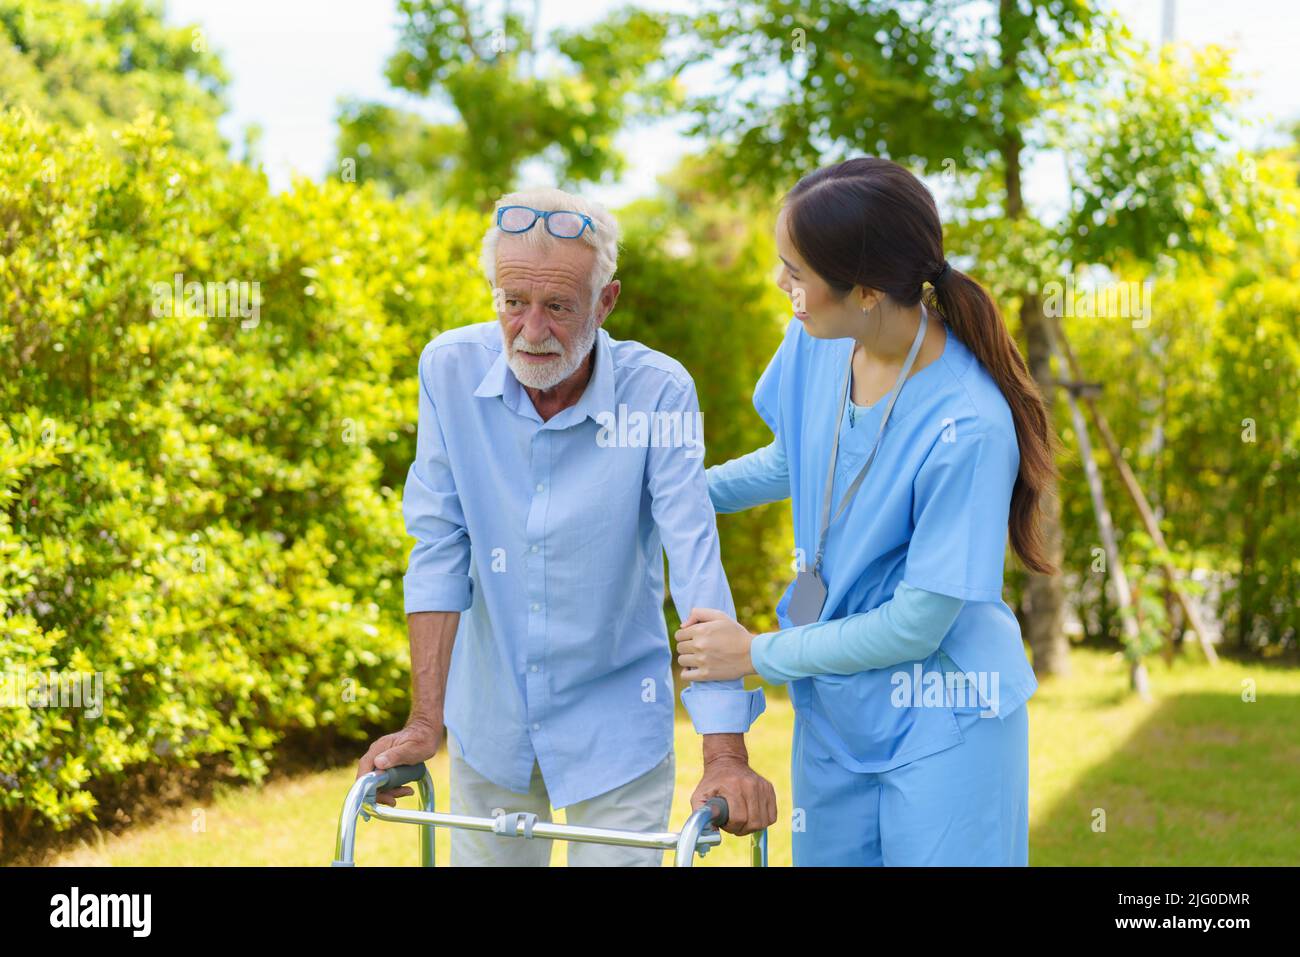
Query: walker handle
718, 805
398, 776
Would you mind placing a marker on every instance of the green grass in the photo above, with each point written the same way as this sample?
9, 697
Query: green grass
1197, 776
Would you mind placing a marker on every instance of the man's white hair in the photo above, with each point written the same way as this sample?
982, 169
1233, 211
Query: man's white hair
604, 238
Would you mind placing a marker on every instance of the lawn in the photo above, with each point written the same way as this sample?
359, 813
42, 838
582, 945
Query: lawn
1196, 776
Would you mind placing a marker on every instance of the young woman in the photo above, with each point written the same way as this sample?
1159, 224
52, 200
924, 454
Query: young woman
910, 439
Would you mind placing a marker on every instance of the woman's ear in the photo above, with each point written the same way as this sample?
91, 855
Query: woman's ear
868, 299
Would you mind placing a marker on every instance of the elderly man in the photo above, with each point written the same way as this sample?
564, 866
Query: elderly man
534, 594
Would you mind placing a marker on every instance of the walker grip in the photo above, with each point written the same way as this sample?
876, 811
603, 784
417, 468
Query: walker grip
398, 776
718, 805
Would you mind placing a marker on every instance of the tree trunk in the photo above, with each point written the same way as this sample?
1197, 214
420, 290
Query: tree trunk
1177, 619
1043, 604
1246, 579
1044, 598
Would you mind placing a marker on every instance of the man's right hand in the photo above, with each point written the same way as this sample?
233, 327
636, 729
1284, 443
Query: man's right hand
414, 744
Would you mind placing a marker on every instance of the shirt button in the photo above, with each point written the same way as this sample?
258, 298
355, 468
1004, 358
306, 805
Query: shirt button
537, 727
540, 486
533, 669
536, 606
534, 548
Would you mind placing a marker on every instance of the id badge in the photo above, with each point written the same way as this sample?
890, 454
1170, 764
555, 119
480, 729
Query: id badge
807, 598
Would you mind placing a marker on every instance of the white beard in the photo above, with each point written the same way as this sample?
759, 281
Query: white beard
563, 364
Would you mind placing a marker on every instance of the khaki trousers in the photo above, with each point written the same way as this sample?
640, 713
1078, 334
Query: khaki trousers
642, 804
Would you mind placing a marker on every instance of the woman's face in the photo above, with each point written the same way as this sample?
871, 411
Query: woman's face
823, 311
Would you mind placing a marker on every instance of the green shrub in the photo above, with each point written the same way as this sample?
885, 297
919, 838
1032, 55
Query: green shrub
202, 509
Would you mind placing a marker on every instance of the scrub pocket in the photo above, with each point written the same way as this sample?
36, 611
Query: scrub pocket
965, 696
878, 719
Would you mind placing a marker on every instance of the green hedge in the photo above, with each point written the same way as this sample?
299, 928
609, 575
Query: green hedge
204, 510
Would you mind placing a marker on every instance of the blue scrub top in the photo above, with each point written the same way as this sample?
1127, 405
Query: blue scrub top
932, 512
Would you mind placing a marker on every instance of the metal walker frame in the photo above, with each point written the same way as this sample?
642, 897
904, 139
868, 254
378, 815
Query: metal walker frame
698, 834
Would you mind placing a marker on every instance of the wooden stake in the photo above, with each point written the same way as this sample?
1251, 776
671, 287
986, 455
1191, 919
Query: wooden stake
1118, 578
1135, 493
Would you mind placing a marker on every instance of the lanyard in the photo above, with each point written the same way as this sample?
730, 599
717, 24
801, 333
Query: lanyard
835, 446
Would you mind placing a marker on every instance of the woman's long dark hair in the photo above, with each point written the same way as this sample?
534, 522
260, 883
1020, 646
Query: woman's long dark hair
869, 222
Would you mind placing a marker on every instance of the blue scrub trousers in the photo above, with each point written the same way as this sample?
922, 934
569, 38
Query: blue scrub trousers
967, 806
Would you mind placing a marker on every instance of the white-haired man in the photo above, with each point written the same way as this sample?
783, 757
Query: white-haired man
534, 593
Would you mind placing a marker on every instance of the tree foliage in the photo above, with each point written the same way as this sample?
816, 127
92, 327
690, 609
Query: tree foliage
512, 97
103, 65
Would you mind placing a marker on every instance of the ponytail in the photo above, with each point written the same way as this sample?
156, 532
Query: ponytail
971, 315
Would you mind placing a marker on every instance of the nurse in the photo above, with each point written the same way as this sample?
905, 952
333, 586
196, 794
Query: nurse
912, 443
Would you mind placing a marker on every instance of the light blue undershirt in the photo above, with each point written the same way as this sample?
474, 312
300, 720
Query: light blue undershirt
910, 626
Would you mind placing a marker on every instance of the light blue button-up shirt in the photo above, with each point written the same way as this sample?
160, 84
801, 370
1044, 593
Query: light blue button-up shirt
549, 538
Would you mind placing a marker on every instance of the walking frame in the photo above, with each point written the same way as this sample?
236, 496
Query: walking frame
698, 834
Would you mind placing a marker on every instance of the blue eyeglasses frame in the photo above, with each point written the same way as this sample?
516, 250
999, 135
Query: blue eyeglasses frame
545, 216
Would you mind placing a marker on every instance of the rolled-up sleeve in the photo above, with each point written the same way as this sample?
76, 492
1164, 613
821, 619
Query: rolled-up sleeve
687, 525
722, 707
437, 574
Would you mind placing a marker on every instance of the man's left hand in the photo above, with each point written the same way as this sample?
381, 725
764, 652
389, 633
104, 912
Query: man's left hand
751, 799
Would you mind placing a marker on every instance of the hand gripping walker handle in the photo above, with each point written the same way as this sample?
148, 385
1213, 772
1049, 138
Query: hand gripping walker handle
721, 814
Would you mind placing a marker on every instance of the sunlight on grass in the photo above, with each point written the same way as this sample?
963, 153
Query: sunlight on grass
1196, 776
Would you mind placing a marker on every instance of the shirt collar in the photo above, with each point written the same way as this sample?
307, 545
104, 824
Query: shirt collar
598, 397
494, 381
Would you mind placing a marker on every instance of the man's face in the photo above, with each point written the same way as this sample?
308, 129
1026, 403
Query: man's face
548, 323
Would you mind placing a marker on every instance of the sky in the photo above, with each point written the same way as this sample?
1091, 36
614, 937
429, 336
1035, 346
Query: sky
291, 61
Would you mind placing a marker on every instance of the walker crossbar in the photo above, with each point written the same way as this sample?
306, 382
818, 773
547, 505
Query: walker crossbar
697, 835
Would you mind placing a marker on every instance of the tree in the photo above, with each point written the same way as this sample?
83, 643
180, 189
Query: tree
80, 64
505, 109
